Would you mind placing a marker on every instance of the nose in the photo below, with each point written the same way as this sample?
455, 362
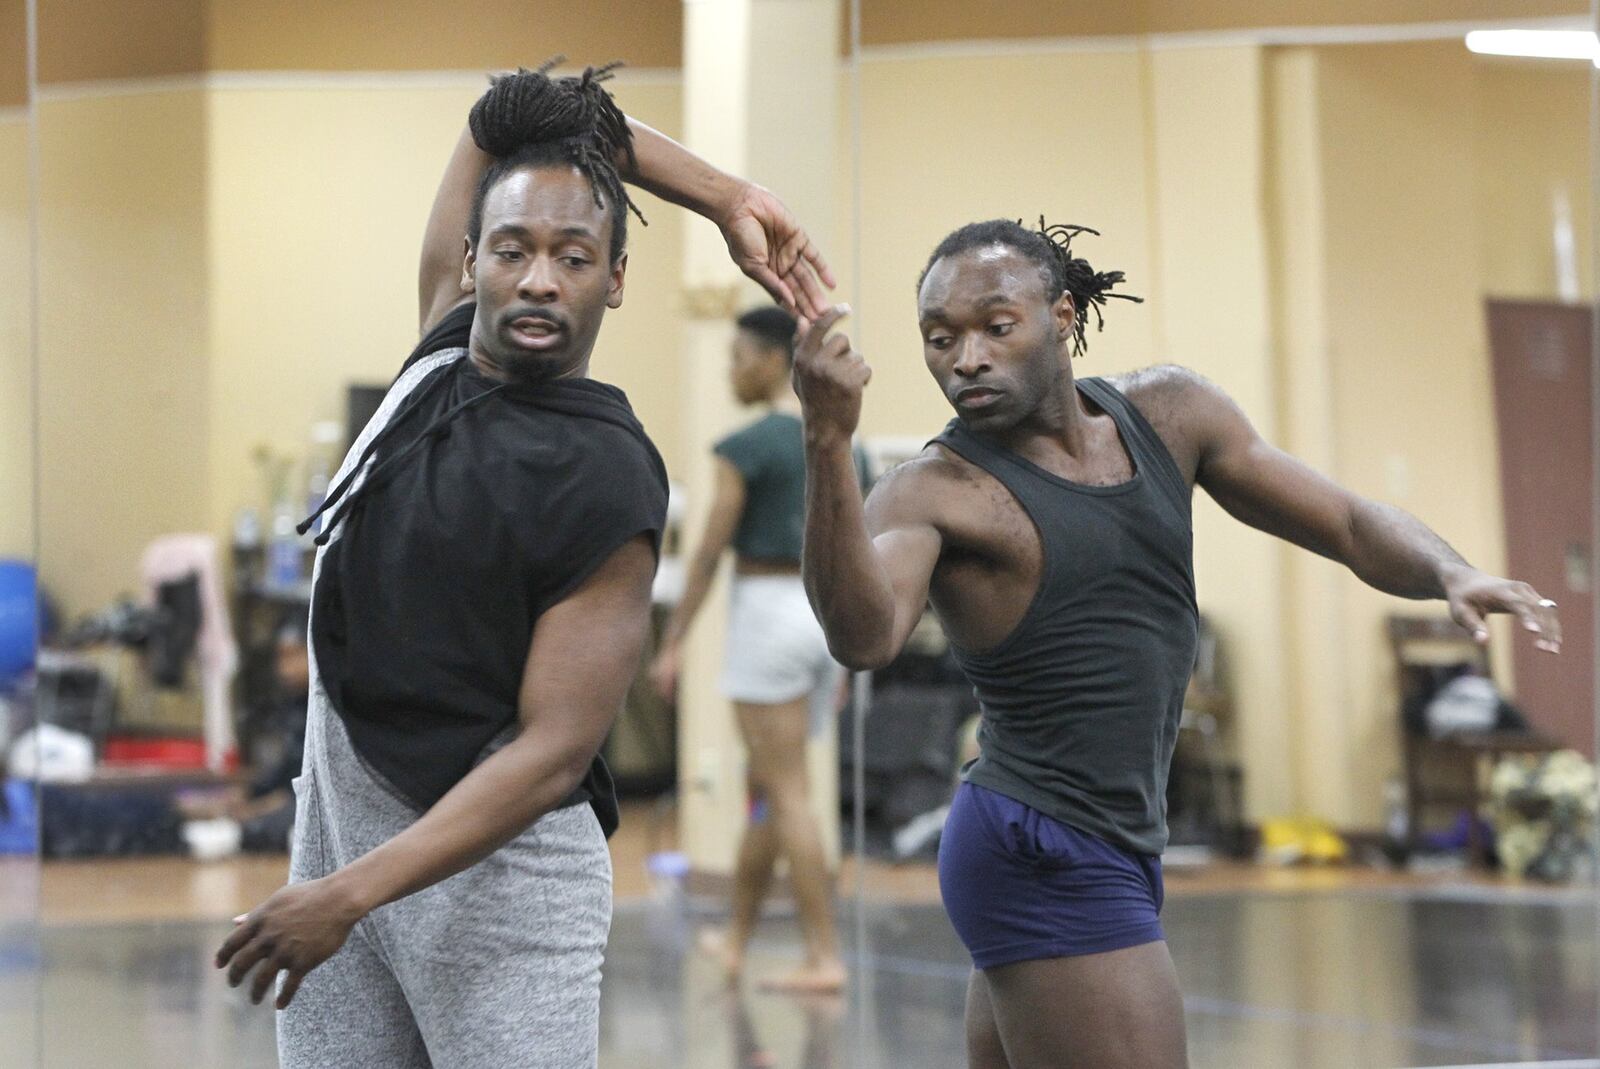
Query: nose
538, 282
971, 359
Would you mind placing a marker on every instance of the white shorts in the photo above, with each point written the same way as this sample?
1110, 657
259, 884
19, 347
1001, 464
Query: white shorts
776, 650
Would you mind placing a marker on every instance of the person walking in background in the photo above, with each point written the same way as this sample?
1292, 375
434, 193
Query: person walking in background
776, 669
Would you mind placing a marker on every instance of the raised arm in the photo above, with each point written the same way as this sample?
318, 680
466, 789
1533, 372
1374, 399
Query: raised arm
583, 657
763, 237
1386, 547
866, 567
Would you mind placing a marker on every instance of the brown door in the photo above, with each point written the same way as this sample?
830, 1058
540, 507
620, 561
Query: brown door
1543, 406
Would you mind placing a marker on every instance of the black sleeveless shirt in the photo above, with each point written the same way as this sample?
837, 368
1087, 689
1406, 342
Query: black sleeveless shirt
482, 505
1081, 701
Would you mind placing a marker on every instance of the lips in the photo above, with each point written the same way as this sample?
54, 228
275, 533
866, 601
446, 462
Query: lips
977, 397
536, 332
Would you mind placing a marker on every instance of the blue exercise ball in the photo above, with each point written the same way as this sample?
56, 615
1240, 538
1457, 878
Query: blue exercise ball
19, 620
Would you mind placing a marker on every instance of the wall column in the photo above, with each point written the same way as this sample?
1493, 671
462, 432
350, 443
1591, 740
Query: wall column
760, 100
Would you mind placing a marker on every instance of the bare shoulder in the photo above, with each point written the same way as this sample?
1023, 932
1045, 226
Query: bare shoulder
1163, 384
1187, 409
922, 489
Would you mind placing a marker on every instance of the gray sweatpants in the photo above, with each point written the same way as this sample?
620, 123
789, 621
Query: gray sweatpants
497, 966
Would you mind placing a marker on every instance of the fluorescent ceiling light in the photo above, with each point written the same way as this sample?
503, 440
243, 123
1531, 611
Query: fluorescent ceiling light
1538, 44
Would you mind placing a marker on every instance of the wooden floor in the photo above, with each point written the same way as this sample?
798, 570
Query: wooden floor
1346, 968
178, 889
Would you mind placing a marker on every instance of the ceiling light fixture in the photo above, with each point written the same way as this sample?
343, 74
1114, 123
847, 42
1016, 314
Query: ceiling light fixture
1536, 44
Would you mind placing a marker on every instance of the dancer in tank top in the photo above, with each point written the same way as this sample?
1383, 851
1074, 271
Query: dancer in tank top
1049, 526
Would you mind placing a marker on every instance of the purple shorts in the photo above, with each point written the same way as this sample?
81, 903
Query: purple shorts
1019, 885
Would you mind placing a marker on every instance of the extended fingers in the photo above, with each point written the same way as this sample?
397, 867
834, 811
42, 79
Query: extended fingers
246, 959
815, 329
1468, 617
1549, 623
776, 287
291, 984
264, 978
241, 934
811, 297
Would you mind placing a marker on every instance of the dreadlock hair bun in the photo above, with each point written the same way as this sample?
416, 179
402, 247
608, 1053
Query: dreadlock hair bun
530, 106
1050, 246
529, 119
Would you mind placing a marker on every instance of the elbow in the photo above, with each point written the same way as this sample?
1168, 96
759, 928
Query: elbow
860, 656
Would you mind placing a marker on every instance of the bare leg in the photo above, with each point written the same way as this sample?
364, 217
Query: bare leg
752, 878
776, 737
984, 1049
1117, 1010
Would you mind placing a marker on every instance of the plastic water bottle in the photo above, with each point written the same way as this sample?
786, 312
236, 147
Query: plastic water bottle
283, 549
319, 469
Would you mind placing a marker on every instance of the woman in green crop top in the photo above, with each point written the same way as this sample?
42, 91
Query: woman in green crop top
777, 670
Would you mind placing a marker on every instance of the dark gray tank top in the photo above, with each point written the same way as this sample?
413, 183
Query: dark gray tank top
1081, 701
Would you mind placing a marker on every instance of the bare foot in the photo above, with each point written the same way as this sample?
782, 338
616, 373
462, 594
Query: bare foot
714, 943
823, 978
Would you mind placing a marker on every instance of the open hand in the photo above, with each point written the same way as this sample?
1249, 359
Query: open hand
768, 245
1473, 595
829, 375
294, 931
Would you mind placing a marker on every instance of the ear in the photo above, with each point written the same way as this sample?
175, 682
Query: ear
1065, 314
614, 290
469, 267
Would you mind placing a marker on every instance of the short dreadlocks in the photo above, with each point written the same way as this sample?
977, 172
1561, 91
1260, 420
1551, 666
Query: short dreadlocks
1050, 246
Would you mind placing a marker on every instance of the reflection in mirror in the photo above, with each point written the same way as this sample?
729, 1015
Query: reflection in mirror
19, 863
1378, 247
235, 212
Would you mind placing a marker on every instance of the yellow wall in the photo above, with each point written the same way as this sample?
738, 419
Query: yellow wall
16, 351
317, 202
1311, 227
1522, 108
1314, 229
123, 358
1163, 152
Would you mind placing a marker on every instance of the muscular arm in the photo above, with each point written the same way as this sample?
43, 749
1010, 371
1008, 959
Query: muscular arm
1386, 547
866, 567
581, 661
763, 238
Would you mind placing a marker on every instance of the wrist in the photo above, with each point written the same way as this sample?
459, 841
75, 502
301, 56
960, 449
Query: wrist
722, 196
821, 438
1449, 573
352, 895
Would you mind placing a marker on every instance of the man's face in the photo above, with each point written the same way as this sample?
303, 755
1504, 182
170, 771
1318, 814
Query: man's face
543, 275
755, 368
992, 338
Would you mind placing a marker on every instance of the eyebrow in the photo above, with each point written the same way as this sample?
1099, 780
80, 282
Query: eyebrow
939, 314
519, 231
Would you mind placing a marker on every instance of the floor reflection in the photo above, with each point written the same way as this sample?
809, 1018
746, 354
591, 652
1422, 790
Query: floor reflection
1348, 980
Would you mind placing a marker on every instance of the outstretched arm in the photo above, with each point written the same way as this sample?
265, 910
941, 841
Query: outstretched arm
583, 657
1386, 547
866, 567
763, 237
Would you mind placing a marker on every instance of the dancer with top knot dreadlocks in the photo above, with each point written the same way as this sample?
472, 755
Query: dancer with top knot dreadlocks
1049, 526
481, 601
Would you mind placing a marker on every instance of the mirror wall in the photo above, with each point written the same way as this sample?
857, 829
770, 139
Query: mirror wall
1380, 245
1377, 243
19, 867
232, 204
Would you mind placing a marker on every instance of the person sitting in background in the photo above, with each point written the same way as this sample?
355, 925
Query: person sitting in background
776, 669
263, 810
